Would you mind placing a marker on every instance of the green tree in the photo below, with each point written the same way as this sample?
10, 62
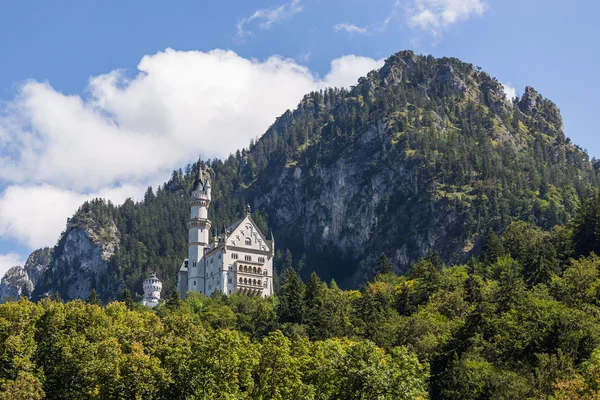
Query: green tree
384, 266
291, 298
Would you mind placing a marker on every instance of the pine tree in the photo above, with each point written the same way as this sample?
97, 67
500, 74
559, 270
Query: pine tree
492, 249
383, 265
586, 227
291, 298
94, 298
127, 299
173, 301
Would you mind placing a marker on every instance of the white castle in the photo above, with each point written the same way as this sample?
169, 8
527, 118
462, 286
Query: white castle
152, 289
239, 260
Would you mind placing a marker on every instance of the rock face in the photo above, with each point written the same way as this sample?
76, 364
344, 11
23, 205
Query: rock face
37, 263
15, 283
79, 262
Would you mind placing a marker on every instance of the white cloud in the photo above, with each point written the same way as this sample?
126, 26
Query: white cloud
346, 70
7, 261
266, 17
510, 91
58, 150
35, 215
435, 15
350, 28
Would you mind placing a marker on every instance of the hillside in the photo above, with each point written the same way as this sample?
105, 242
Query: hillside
423, 154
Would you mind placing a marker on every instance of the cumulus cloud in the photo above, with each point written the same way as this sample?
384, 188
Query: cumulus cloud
509, 90
130, 130
7, 261
345, 70
435, 15
266, 17
350, 28
35, 215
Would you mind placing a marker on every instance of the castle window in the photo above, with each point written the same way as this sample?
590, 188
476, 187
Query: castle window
245, 268
254, 269
259, 271
261, 259
194, 283
265, 283
241, 268
265, 272
234, 256
259, 282
228, 280
240, 280
248, 258
248, 242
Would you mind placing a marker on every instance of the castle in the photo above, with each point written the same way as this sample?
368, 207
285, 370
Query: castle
239, 260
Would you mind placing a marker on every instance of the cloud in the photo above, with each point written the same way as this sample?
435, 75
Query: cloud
510, 91
131, 130
350, 28
7, 261
436, 15
345, 70
35, 215
266, 17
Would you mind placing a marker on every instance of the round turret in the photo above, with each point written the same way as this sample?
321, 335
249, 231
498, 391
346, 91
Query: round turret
152, 288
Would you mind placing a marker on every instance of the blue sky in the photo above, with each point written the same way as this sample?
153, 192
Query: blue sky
72, 91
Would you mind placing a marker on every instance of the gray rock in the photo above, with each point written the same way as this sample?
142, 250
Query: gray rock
15, 283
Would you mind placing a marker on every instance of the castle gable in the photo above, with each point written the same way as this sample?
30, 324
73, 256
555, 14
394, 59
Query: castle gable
246, 234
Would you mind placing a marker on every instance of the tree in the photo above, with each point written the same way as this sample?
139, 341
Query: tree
93, 298
586, 227
492, 249
174, 300
383, 265
291, 298
127, 299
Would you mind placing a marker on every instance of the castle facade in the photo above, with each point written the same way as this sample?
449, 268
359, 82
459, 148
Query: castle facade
239, 260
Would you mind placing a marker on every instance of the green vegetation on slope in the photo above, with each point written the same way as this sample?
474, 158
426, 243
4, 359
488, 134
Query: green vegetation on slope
521, 321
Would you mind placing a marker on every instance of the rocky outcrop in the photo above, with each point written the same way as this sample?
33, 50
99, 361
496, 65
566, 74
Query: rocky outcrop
37, 263
80, 262
15, 283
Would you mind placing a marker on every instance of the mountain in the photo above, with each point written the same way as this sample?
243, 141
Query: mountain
424, 154
20, 281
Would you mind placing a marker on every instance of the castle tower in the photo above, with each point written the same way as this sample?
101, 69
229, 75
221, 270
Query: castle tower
152, 288
199, 227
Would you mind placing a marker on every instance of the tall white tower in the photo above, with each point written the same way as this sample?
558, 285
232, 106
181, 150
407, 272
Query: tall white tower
152, 289
199, 226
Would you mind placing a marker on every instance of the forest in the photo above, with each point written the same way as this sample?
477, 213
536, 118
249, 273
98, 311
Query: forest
519, 321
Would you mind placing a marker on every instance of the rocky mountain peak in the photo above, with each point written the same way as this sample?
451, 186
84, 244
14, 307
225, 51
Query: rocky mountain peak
15, 283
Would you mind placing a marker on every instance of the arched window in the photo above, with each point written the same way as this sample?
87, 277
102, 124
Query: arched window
245, 281
254, 282
245, 268
265, 283
259, 282
259, 271
254, 269
240, 268
248, 242
240, 280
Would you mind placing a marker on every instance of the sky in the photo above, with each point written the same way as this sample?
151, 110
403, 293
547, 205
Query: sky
104, 98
